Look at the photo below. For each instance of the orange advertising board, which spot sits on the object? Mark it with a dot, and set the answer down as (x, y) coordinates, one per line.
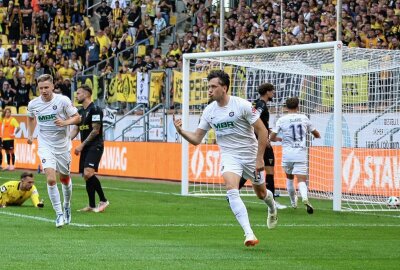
(366, 171)
(130, 159)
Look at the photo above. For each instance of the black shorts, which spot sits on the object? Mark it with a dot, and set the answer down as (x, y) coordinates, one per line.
(269, 157)
(8, 144)
(90, 157)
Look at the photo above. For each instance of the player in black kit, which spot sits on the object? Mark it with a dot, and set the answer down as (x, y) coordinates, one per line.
(91, 148)
(266, 92)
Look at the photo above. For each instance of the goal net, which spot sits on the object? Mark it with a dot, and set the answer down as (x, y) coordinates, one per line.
(351, 96)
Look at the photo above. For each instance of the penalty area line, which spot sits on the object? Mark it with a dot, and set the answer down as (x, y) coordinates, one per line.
(186, 225)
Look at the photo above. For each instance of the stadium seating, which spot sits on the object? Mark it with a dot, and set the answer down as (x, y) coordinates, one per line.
(4, 39)
(23, 110)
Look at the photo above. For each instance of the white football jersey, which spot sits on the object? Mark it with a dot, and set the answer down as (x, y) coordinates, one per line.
(294, 128)
(233, 126)
(51, 136)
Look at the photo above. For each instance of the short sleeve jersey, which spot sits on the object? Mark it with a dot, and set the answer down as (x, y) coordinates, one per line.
(261, 107)
(294, 128)
(51, 136)
(233, 126)
(92, 114)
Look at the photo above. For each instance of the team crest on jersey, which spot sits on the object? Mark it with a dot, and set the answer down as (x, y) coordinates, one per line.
(55, 107)
(231, 114)
(254, 110)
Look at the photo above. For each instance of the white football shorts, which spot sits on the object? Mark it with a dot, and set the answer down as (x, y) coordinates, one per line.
(295, 168)
(59, 162)
(245, 168)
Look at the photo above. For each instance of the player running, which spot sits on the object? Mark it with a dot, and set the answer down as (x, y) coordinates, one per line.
(294, 128)
(234, 121)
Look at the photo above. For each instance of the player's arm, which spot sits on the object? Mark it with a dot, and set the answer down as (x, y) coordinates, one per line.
(273, 137)
(72, 120)
(74, 132)
(3, 196)
(316, 134)
(194, 138)
(313, 130)
(263, 142)
(31, 128)
(93, 134)
(35, 198)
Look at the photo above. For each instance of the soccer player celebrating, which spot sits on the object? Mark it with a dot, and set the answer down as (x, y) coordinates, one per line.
(294, 127)
(17, 192)
(234, 121)
(53, 113)
(9, 126)
(91, 148)
(266, 92)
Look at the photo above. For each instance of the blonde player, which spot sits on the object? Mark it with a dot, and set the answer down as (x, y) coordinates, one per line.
(17, 192)
(53, 113)
(234, 121)
(294, 128)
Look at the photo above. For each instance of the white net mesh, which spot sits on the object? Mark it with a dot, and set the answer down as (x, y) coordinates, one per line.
(370, 121)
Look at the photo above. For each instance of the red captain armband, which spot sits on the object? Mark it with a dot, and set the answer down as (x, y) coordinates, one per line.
(65, 180)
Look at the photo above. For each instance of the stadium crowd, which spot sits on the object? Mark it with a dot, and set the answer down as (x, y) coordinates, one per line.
(55, 37)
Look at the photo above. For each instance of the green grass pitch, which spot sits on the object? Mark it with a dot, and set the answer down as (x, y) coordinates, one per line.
(148, 225)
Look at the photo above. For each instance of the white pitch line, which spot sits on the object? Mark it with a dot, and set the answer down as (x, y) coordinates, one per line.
(222, 198)
(194, 225)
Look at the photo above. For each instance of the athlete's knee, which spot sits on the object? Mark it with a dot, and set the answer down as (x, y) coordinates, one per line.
(65, 179)
(261, 195)
(87, 174)
(260, 192)
(51, 181)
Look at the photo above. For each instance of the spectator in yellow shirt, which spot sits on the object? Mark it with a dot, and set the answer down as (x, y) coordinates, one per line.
(15, 193)
(66, 72)
(103, 40)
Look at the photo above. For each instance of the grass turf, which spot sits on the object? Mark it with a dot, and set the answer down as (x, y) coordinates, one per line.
(148, 225)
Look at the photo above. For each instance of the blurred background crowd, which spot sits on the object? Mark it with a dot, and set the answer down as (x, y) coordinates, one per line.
(69, 38)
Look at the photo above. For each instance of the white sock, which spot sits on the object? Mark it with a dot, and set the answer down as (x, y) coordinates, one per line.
(303, 190)
(239, 210)
(54, 196)
(269, 200)
(67, 193)
(291, 190)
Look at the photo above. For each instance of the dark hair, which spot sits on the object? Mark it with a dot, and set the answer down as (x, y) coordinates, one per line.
(221, 75)
(26, 174)
(264, 88)
(86, 88)
(292, 103)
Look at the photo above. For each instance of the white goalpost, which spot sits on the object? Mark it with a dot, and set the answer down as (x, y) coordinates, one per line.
(350, 94)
